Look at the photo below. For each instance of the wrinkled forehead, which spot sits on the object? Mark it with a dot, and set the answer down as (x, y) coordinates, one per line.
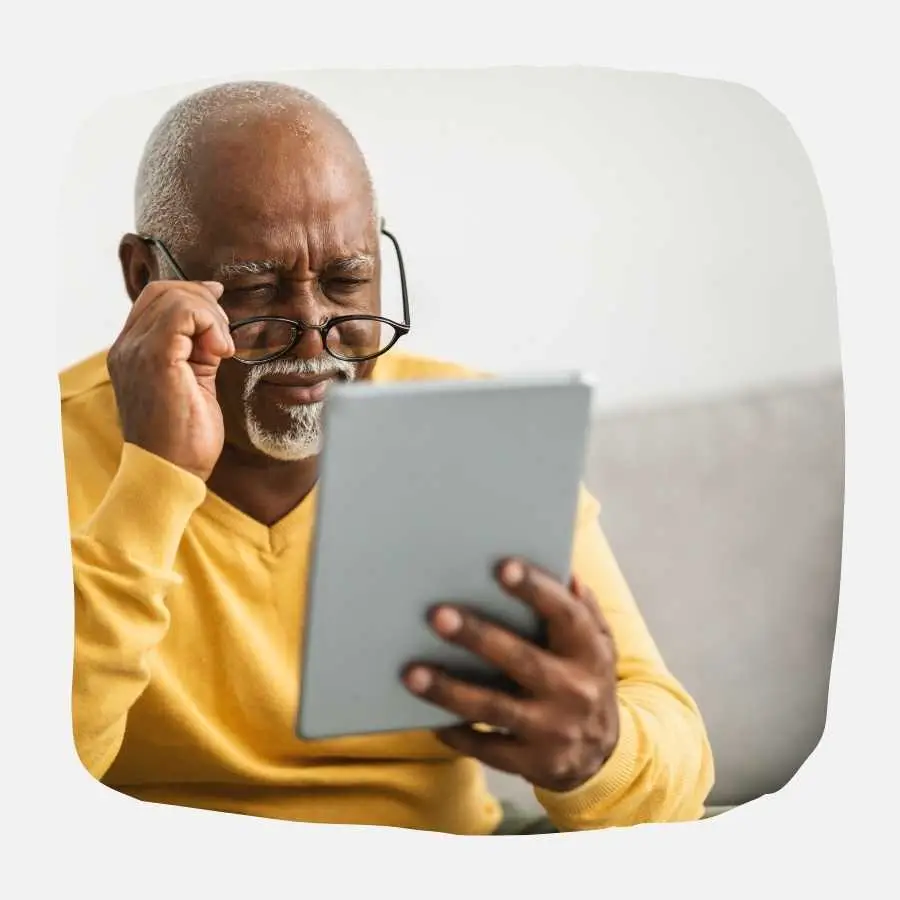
(273, 184)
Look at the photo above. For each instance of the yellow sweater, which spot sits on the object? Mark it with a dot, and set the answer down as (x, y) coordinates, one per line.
(187, 616)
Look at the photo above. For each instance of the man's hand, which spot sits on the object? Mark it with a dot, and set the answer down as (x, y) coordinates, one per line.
(566, 726)
(163, 370)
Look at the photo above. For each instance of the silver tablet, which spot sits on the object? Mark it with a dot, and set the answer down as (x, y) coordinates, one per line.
(424, 487)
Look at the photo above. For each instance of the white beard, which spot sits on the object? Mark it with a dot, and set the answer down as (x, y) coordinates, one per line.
(301, 438)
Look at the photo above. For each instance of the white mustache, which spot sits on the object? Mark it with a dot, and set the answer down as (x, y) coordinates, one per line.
(291, 365)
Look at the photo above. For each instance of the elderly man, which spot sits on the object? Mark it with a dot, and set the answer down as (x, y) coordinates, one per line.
(190, 453)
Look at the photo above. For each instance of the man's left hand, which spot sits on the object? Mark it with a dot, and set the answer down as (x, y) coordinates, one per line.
(561, 732)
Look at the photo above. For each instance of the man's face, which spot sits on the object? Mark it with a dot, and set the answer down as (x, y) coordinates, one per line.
(287, 226)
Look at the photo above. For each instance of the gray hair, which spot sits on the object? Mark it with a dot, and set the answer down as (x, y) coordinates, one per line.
(162, 201)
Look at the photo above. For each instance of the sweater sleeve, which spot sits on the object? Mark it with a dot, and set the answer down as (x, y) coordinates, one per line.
(662, 767)
(123, 560)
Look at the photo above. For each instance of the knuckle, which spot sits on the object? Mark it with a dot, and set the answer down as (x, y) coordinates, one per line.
(499, 711)
(575, 615)
(604, 651)
(154, 293)
(609, 653)
(182, 311)
(558, 764)
(567, 731)
(525, 661)
(587, 691)
(519, 656)
(564, 771)
(180, 298)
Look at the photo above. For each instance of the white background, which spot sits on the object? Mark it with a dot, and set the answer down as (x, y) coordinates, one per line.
(828, 68)
(661, 232)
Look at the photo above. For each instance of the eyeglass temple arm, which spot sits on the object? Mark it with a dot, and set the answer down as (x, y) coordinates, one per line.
(403, 291)
(169, 258)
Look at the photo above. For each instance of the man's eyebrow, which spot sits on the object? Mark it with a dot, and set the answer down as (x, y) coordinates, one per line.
(250, 267)
(359, 264)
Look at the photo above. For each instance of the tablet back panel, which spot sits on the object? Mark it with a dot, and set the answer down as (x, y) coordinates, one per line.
(423, 487)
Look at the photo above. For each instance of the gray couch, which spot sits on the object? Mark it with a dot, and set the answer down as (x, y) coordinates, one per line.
(727, 518)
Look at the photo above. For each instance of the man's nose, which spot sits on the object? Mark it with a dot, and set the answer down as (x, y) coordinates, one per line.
(304, 306)
(310, 345)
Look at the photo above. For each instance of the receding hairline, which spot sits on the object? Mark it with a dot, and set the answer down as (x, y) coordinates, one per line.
(304, 115)
(163, 201)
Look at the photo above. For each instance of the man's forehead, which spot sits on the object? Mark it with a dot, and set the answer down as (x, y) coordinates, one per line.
(282, 231)
(270, 202)
(236, 155)
(270, 189)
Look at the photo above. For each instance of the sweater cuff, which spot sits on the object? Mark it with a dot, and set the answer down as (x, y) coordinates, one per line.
(614, 777)
(146, 509)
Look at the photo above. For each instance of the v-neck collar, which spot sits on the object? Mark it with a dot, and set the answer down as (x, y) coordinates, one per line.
(300, 519)
(296, 525)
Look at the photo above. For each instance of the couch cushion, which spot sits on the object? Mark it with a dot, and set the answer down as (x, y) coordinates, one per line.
(726, 518)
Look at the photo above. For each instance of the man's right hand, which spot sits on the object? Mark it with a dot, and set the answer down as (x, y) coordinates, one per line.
(163, 370)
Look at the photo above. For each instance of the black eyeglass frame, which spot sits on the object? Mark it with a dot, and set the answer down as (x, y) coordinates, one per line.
(401, 329)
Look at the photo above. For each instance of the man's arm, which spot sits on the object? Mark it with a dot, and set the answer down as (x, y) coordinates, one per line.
(123, 558)
(162, 367)
(661, 769)
(602, 730)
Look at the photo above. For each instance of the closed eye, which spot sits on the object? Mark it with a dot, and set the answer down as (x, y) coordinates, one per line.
(253, 295)
(346, 287)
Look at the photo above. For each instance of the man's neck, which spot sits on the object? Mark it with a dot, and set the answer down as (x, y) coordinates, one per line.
(264, 489)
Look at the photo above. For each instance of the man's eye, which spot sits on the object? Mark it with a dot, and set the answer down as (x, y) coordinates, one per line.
(348, 284)
(251, 294)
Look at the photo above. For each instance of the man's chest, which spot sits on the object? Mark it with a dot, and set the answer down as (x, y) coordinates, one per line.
(225, 681)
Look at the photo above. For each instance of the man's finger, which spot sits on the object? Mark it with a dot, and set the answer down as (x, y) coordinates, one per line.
(499, 751)
(155, 290)
(582, 592)
(207, 348)
(197, 320)
(571, 628)
(472, 703)
(159, 298)
(526, 664)
(187, 314)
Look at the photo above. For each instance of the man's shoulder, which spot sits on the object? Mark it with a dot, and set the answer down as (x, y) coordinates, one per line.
(400, 366)
(88, 405)
(83, 378)
(91, 436)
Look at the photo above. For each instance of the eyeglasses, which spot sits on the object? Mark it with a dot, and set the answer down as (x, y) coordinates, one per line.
(352, 338)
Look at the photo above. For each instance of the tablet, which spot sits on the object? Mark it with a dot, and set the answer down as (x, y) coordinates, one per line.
(423, 488)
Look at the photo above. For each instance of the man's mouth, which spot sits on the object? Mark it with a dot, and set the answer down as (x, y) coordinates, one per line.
(297, 389)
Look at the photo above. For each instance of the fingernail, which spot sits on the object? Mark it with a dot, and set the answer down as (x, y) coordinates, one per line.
(513, 573)
(418, 680)
(217, 288)
(447, 621)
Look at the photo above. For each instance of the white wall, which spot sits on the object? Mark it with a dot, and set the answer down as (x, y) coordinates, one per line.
(664, 233)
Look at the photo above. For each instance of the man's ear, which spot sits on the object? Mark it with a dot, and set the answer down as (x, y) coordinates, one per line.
(139, 266)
